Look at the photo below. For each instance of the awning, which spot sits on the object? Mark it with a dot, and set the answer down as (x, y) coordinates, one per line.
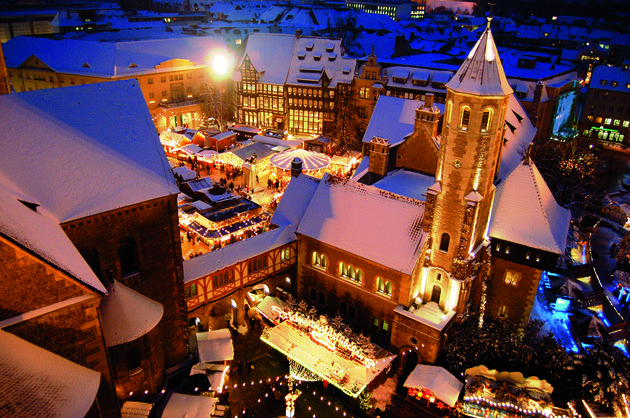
(215, 346)
(265, 307)
(436, 379)
(215, 373)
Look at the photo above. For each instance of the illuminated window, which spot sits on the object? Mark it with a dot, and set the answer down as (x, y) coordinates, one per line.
(449, 108)
(498, 247)
(384, 286)
(465, 118)
(285, 254)
(512, 277)
(444, 242)
(503, 311)
(320, 260)
(607, 121)
(486, 119)
(191, 291)
(507, 249)
(257, 264)
(538, 258)
(385, 326)
(528, 255)
(376, 322)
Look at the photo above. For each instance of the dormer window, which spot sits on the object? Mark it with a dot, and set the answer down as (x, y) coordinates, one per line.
(330, 47)
(301, 55)
(309, 46)
(332, 57)
(317, 56)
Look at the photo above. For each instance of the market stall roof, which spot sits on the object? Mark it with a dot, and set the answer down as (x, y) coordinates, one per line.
(265, 307)
(190, 149)
(127, 314)
(37, 382)
(261, 150)
(438, 380)
(214, 372)
(215, 346)
(133, 409)
(310, 160)
(188, 406)
(347, 374)
(515, 378)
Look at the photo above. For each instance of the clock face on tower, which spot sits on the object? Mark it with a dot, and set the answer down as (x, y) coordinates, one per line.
(457, 163)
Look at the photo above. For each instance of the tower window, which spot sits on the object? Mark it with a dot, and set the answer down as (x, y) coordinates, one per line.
(444, 242)
(449, 108)
(503, 311)
(486, 118)
(465, 118)
(512, 277)
(128, 257)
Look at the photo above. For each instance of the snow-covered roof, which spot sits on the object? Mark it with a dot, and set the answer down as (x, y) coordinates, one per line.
(392, 244)
(406, 183)
(438, 380)
(270, 54)
(82, 150)
(43, 235)
(393, 119)
(221, 258)
(482, 72)
(313, 57)
(38, 383)
(610, 78)
(111, 59)
(525, 212)
(518, 136)
(127, 315)
(296, 198)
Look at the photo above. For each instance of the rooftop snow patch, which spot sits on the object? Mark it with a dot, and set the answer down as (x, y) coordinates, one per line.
(41, 234)
(128, 315)
(341, 209)
(393, 118)
(36, 382)
(83, 150)
(525, 212)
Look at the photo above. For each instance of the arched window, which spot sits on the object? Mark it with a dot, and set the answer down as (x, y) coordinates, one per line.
(319, 260)
(449, 110)
(486, 120)
(437, 292)
(380, 285)
(465, 118)
(358, 276)
(351, 273)
(389, 288)
(444, 241)
(343, 269)
(128, 257)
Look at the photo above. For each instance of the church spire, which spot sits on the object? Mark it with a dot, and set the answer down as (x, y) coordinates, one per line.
(482, 72)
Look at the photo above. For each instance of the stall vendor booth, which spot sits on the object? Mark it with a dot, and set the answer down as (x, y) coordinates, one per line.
(436, 390)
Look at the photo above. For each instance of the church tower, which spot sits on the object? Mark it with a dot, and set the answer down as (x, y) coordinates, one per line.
(459, 203)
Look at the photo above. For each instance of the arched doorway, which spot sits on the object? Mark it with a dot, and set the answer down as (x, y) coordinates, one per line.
(410, 360)
(437, 292)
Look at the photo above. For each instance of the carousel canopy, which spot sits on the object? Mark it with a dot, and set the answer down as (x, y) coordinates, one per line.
(310, 160)
(438, 380)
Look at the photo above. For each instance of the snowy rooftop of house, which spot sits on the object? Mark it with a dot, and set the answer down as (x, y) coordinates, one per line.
(37, 382)
(295, 200)
(111, 59)
(482, 72)
(313, 57)
(43, 235)
(127, 314)
(270, 54)
(221, 258)
(82, 150)
(525, 212)
(393, 119)
(340, 209)
(406, 183)
(610, 78)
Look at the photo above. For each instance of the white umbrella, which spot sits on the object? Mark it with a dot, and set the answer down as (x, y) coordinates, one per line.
(310, 160)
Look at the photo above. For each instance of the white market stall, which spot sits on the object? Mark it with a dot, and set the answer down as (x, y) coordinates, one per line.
(188, 406)
(215, 346)
(266, 308)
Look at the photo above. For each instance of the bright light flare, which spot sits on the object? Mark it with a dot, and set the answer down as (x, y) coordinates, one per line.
(220, 64)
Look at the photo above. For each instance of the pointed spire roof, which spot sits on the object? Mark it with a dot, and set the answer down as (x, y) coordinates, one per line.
(482, 72)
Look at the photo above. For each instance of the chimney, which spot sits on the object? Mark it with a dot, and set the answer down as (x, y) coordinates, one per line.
(428, 100)
(298, 33)
(296, 167)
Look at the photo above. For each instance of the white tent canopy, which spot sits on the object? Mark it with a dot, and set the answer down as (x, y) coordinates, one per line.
(266, 307)
(215, 346)
(188, 406)
(436, 379)
(310, 160)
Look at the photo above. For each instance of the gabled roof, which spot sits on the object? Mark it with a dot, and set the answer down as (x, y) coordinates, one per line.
(525, 212)
(44, 237)
(295, 200)
(360, 220)
(37, 382)
(82, 150)
(393, 118)
(482, 72)
(270, 54)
